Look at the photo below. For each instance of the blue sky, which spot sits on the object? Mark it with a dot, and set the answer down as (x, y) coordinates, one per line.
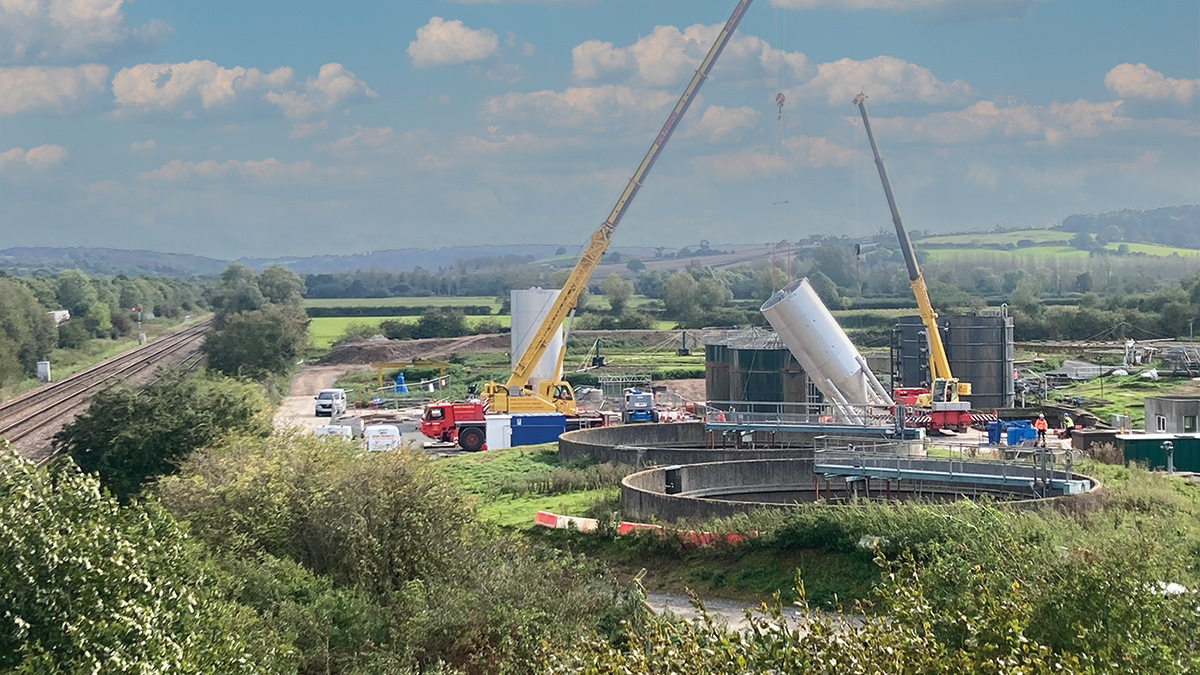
(276, 129)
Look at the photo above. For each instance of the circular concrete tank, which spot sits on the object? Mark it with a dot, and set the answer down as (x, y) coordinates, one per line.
(722, 489)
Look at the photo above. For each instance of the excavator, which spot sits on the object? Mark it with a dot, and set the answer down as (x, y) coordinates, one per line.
(517, 395)
(946, 411)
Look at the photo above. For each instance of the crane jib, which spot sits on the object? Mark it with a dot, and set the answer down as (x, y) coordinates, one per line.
(596, 246)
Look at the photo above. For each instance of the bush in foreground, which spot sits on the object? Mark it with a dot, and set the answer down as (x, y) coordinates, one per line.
(89, 586)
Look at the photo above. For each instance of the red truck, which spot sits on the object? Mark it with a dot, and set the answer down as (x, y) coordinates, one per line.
(458, 422)
(463, 422)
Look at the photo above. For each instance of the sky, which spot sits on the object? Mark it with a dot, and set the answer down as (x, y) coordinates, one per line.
(267, 128)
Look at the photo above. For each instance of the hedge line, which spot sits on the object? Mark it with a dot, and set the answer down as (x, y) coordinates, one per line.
(468, 310)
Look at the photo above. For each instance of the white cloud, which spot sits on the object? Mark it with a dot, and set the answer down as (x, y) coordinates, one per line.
(145, 147)
(884, 79)
(1053, 124)
(817, 151)
(939, 9)
(69, 30)
(25, 88)
(333, 87)
(269, 171)
(448, 43)
(593, 107)
(519, 143)
(667, 57)
(739, 165)
(39, 159)
(718, 122)
(306, 129)
(1141, 81)
(159, 87)
(369, 140)
(163, 86)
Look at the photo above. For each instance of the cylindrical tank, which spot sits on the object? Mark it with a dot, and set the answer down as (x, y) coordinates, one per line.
(819, 344)
(529, 307)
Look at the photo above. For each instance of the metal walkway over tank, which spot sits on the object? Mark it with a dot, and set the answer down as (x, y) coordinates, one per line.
(818, 418)
(1036, 478)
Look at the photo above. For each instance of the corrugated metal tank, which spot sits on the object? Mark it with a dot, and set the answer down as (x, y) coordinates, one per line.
(979, 348)
(529, 307)
(753, 366)
(821, 346)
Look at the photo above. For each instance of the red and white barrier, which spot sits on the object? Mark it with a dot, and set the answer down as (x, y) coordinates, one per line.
(557, 522)
(590, 525)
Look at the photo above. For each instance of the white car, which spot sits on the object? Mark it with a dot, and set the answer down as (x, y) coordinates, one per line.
(334, 431)
(331, 402)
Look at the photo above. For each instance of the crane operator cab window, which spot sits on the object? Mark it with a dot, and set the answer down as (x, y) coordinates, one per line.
(943, 391)
(562, 392)
(434, 414)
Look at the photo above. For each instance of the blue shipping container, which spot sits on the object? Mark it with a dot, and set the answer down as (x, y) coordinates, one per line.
(533, 428)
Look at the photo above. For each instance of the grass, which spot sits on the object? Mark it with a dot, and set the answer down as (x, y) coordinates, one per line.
(998, 238)
(428, 301)
(1042, 252)
(1118, 395)
(484, 474)
(64, 362)
(323, 331)
(1032, 253)
(1158, 250)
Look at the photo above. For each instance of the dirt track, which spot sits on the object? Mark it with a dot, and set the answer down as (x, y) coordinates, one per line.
(382, 349)
(296, 410)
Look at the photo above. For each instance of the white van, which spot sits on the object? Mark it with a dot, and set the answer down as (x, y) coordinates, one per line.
(382, 437)
(334, 431)
(331, 402)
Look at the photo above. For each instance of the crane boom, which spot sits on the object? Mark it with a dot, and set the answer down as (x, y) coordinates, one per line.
(938, 363)
(598, 243)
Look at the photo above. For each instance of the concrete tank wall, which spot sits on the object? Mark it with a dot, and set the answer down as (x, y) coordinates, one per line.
(722, 489)
(529, 307)
(664, 444)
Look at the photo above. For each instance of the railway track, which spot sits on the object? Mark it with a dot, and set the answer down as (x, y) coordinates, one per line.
(29, 417)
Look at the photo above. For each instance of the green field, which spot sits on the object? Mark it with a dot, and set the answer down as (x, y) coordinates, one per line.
(484, 476)
(997, 238)
(323, 331)
(1157, 250)
(430, 301)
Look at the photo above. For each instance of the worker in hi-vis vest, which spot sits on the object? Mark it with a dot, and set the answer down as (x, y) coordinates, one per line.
(1040, 425)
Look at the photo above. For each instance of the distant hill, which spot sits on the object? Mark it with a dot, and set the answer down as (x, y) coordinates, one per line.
(107, 261)
(1169, 225)
(400, 259)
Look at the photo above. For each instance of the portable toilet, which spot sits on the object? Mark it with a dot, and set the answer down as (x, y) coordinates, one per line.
(533, 428)
(382, 437)
(499, 431)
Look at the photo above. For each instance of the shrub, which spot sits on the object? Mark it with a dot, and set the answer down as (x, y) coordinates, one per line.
(90, 586)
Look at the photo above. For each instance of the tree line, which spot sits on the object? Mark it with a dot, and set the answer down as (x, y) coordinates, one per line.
(100, 307)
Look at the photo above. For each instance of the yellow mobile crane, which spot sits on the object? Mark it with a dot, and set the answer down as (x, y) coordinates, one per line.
(517, 395)
(946, 411)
